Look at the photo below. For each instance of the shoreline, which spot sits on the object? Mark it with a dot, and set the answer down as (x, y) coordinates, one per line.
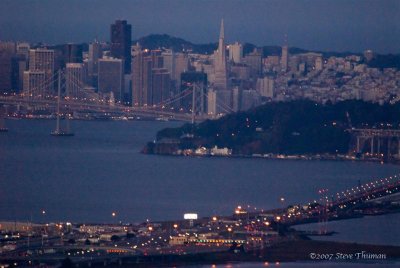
(325, 157)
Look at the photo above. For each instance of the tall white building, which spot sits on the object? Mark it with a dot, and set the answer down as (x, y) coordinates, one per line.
(284, 58)
(221, 79)
(265, 86)
(33, 83)
(95, 53)
(236, 52)
(75, 80)
(42, 60)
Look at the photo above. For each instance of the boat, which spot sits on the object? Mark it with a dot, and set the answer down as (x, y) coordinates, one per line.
(61, 133)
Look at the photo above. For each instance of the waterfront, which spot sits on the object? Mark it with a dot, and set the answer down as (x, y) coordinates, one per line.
(99, 171)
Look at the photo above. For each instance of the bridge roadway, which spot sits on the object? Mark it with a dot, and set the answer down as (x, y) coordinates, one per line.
(85, 106)
(347, 201)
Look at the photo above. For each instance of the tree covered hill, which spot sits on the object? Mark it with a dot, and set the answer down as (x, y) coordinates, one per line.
(297, 127)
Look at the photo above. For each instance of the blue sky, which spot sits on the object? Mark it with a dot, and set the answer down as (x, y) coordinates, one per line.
(329, 25)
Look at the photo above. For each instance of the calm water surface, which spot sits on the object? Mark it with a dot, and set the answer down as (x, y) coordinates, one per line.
(100, 170)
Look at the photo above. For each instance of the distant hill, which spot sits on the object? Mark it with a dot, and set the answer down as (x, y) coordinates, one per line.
(157, 41)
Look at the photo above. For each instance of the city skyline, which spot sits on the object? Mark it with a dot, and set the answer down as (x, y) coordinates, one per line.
(316, 25)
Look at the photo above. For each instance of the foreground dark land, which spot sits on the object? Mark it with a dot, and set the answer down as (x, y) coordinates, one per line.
(289, 128)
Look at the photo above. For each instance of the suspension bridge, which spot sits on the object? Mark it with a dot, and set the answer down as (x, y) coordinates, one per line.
(345, 203)
(77, 97)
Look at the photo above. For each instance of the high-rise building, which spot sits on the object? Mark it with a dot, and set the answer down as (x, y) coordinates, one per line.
(75, 80)
(137, 76)
(72, 53)
(161, 82)
(33, 83)
(95, 53)
(110, 79)
(176, 64)
(265, 86)
(42, 60)
(7, 51)
(19, 65)
(319, 63)
(254, 61)
(121, 40)
(285, 58)
(147, 89)
(236, 52)
(23, 49)
(221, 79)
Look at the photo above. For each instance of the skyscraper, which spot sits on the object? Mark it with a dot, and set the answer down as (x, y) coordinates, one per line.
(254, 61)
(72, 53)
(236, 52)
(42, 60)
(121, 39)
(150, 82)
(33, 83)
(7, 51)
(285, 56)
(95, 53)
(111, 74)
(75, 76)
(137, 76)
(221, 80)
(161, 82)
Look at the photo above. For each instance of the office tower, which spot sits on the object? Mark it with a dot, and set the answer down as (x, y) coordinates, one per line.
(181, 65)
(72, 53)
(219, 102)
(144, 91)
(161, 82)
(147, 80)
(137, 76)
(19, 65)
(75, 80)
(212, 102)
(199, 79)
(240, 71)
(23, 49)
(156, 58)
(110, 79)
(284, 58)
(236, 52)
(33, 85)
(221, 80)
(121, 40)
(7, 51)
(176, 64)
(254, 61)
(95, 53)
(236, 99)
(318, 63)
(265, 87)
(42, 60)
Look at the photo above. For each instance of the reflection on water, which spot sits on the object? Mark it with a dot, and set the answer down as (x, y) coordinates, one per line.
(99, 170)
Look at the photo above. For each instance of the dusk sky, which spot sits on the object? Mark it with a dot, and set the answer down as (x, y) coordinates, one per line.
(328, 25)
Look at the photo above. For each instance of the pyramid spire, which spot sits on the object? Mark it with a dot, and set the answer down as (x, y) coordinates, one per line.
(222, 32)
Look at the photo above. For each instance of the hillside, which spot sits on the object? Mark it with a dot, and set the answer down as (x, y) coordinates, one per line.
(298, 127)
